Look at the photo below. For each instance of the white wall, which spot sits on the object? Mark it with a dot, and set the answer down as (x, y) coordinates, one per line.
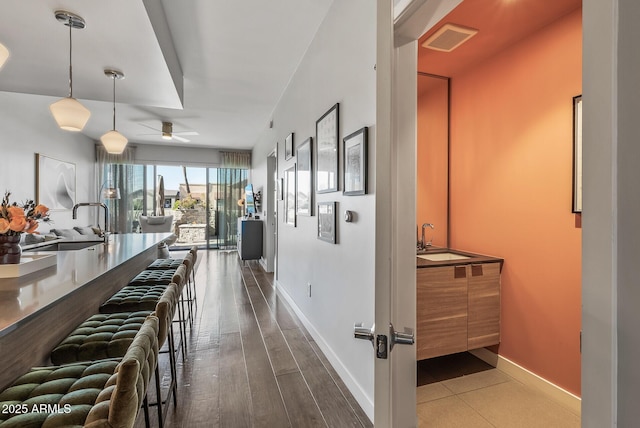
(338, 67)
(28, 128)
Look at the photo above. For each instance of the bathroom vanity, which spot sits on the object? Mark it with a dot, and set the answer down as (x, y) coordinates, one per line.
(458, 302)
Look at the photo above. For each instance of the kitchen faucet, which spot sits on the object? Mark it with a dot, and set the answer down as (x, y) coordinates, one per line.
(106, 215)
(422, 243)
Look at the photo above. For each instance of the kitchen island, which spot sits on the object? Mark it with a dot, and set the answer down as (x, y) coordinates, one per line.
(38, 310)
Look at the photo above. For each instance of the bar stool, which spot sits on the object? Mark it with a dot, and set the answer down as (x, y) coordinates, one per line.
(172, 265)
(104, 336)
(143, 292)
(73, 395)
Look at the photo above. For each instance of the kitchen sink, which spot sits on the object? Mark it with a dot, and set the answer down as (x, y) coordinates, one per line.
(65, 246)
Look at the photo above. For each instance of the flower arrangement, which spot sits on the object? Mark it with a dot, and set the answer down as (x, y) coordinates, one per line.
(16, 219)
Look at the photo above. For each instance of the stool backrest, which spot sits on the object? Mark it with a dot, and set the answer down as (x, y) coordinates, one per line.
(165, 310)
(156, 224)
(118, 403)
(180, 276)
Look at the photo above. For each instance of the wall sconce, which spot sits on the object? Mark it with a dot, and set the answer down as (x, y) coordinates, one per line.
(4, 54)
(113, 141)
(68, 112)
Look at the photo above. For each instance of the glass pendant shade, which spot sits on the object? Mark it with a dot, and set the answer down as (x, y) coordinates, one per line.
(114, 142)
(4, 54)
(110, 193)
(69, 114)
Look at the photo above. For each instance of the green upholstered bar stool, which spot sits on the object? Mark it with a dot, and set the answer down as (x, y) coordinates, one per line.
(67, 396)
(144, 291)
(110, 336)
(173, 265)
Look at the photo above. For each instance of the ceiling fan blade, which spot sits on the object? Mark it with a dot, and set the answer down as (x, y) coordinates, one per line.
(182, 140)
(185, 133)
(150, 127)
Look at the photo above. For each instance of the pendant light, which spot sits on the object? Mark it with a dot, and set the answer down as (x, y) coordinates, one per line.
(113, 141)
(4, 54)
(68, 112)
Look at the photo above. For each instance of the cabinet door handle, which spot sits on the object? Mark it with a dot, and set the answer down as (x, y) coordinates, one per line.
(476, 270)
(459, 272)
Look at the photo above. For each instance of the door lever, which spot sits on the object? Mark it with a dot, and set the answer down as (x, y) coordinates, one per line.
(405, 338)
(361, 332)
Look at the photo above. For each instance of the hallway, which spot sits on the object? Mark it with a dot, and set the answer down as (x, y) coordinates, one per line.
(250, 362)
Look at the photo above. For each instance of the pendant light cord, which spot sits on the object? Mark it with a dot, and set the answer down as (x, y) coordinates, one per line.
(113, 76)
(70, 66)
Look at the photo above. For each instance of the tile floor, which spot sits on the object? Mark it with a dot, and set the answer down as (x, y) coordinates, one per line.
(464, 392)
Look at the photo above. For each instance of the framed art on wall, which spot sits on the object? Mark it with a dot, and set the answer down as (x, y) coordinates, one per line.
(327, 129)
(55, 183)
(355, 163)
(304, 180)
(327, 221)
(290, 196)
(288, 147)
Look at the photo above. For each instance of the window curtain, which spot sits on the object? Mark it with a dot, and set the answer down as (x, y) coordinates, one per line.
(236, 160)
(230, 188)
(120, 172)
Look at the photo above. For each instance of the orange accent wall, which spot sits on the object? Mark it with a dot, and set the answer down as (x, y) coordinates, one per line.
(510, 190)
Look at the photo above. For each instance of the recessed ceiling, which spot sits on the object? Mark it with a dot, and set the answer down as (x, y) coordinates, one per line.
(213, 67)
(501, 23)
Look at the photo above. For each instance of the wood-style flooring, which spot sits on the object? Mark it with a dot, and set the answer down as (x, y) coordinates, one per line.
(249, 360)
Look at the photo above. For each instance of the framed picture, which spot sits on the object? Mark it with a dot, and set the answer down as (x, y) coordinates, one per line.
(327, 151)
(281, 189)
(355, 163)
(55, 183)
(577, 154)
(327, 221)
(304, 179)
(290, 196)
(288, 147)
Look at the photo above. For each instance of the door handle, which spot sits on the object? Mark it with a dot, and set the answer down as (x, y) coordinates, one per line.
(364, 333)
(380, 342)
(404, 338)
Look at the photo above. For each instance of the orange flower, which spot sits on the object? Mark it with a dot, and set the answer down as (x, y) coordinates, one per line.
(32, 225)
(4, 225)
(18, 224)
(15, 212)
(40, 210)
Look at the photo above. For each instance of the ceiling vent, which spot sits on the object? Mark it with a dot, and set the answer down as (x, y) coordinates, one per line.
(449, 37)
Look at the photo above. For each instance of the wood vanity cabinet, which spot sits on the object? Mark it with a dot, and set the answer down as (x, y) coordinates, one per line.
(458, 308)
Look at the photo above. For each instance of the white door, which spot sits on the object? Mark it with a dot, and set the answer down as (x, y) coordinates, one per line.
(395, 175)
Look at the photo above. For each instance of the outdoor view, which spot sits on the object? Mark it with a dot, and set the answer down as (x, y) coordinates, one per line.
(200, 203)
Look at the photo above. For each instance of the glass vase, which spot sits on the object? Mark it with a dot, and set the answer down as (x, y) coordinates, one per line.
(10, 250)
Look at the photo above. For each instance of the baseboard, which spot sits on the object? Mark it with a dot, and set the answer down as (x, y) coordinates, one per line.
(561, 396)
(354, 387)
(263, 263)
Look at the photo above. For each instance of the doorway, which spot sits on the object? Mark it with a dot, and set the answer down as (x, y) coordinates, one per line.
(477, 223)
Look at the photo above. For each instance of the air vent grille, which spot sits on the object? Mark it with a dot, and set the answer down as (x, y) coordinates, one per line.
(449, 37)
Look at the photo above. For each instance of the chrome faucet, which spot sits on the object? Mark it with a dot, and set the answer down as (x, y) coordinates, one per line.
(427, 244)
(95, 204)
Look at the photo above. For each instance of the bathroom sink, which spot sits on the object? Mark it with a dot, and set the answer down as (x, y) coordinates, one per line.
(439, 257)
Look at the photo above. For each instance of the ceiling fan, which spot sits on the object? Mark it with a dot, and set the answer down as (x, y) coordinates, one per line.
(167, 133)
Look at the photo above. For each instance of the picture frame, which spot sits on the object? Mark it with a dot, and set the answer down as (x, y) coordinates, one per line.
(577, 155)
(288, 147)
(55, 183)
(290, 196)
(327, 221)
(304, 178)
(327, 160)
(355, 163)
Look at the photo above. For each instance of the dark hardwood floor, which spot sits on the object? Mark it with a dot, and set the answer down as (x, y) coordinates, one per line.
(249, 361)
